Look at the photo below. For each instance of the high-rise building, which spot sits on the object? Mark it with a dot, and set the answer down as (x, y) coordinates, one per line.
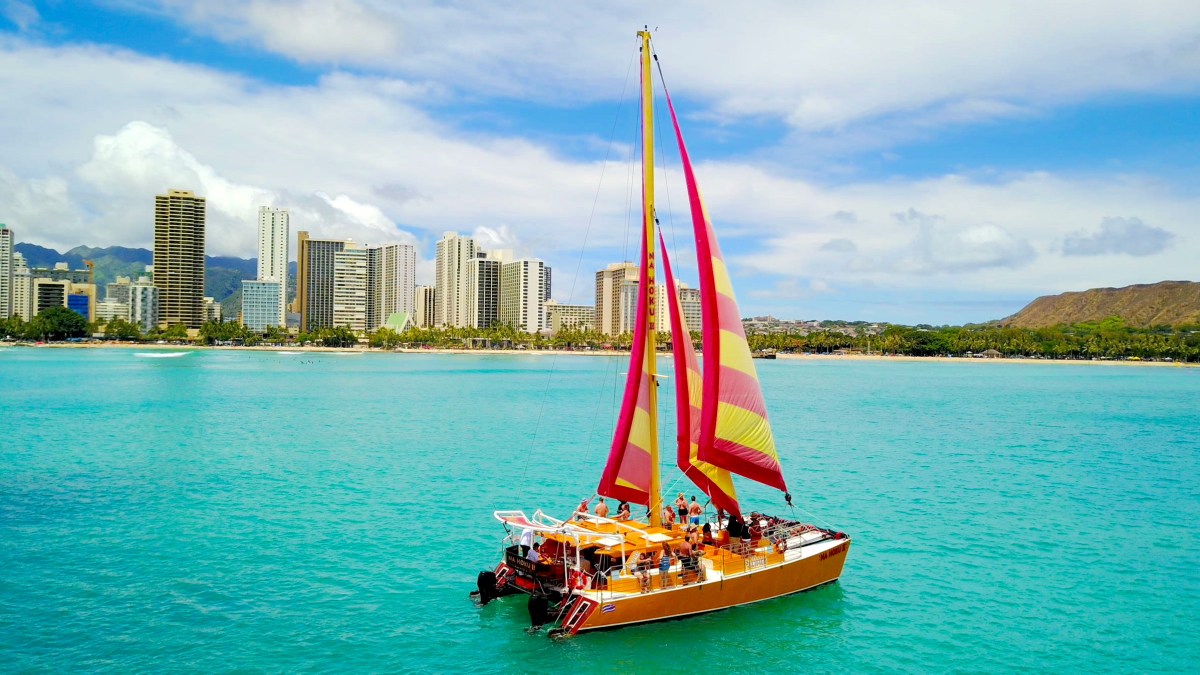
(273, 254)
(425, 303)
(628, 309)
(350, 288)
(260, 304)
(315, 281)
(118, 290)
(482, 296)
(108, 309)
(22, 288)
(608, 295)
(689, 303)
(391, 280)
(62, 272)
(453, 254)
(212, 310)
(143, 304)
(6, 271)
(179, 218)
(524, 290)
(49, 293)
(569, 317)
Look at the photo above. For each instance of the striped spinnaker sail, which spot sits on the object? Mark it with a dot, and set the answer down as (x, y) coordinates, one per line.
(689, 393)
(734, 431)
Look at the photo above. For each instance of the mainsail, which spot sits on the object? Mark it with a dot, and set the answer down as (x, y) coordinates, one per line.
(631, 473)
(734, 431)
(689, 388)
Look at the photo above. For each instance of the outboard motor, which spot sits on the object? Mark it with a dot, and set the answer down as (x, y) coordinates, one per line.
(486, 582)
(539, 611)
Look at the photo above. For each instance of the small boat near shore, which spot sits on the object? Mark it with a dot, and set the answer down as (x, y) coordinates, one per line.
(589, 571)
(160, 355)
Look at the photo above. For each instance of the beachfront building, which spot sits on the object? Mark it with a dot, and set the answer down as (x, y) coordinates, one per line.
(179, 217)
(22, 288)
(49, 293)
(261, 301)
(350, 288)
(6, 271)
(608, 296)
(273, 256)
(689, 303)
(450, 266)
(315, 280)
(482, 295)
(107, 310)
(628, 305)
(62, 272)
(212, 310)
(118, 291)
(391, 280)
(424, 306)
(569, 317)
(524, 290)
(143, 304)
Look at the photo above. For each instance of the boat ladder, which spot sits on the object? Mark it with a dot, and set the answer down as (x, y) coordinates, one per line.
(577, 613)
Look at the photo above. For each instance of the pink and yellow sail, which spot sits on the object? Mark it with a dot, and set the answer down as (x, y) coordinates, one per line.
(632, 471)
(689, 398)
(734, 431)
(723, 426)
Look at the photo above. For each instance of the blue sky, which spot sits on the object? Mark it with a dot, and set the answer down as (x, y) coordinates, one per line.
(927, 164)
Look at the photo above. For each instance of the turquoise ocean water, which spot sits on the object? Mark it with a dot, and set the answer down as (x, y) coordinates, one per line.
(271, 512)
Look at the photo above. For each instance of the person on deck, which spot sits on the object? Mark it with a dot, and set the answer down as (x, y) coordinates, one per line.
(664, 565)
(706, 537)
(736, 529)
(639, 565)
(526, 540)
(624, 512)
(686, 564)
(602, 509)
(681, 506)
(695, 511)
(583, 509)
(668, 517)
(535, 554)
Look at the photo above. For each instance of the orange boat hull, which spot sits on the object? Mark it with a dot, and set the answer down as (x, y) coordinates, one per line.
(771, 581)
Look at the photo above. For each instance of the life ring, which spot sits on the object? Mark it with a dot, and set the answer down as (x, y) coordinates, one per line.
(578, 580)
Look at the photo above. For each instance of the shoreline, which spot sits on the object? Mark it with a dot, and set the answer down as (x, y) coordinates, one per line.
(557, 352)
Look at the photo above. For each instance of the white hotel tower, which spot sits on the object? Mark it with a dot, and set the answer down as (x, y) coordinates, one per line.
(273, 254)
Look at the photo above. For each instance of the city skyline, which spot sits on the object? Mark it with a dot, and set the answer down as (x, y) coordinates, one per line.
(939, 164)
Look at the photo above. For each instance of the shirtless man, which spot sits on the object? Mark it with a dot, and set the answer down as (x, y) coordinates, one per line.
(602, 508)
(668, 517)
(695, 511)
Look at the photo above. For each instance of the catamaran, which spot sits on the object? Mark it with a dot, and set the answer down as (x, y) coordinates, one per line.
(589, 571)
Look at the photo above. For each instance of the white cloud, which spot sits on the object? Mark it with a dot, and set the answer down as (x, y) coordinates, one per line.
(942, 247)
(334, 32)
(96, 132)
(817, 66)
(1121, 236)
(22, 14)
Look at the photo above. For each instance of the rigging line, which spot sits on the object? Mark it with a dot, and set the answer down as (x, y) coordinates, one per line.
(578, 265)
(611, 369)
(612, 134)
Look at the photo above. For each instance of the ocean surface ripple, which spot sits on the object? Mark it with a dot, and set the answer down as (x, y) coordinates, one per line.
(260, 511)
